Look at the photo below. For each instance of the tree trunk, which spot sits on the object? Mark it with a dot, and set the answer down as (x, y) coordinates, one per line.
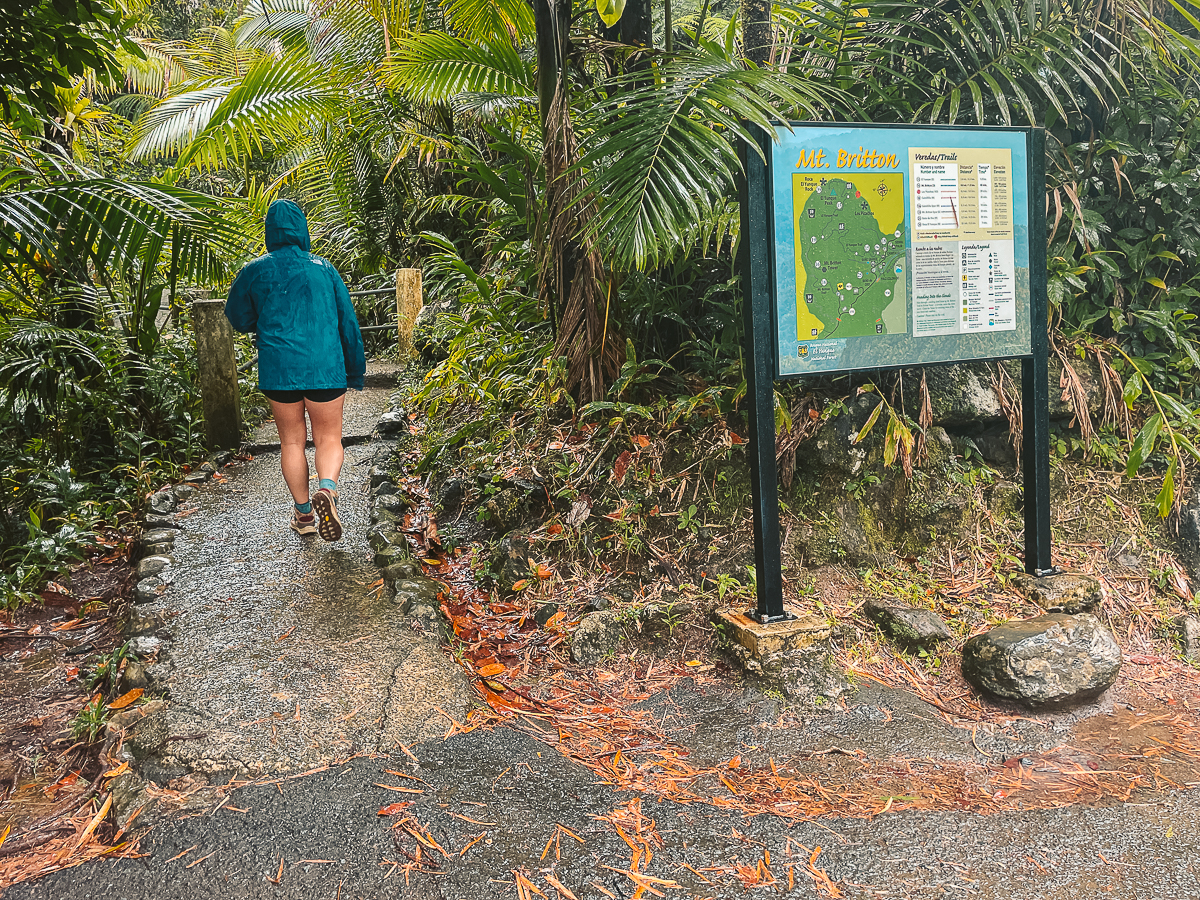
(756, 30)
(635, 27)
(552, 19)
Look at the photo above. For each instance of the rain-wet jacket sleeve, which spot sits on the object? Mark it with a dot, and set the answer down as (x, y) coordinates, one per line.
(348, 330)
(239, 308)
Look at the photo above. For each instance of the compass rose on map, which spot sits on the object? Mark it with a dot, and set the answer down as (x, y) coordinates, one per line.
(883, 190)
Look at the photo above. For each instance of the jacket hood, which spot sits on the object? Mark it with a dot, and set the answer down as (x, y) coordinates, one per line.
(286, 226)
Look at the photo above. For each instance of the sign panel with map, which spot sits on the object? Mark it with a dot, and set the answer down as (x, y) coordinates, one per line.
(898, 246)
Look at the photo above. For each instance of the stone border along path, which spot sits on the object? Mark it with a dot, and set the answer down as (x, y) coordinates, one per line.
(276, 653)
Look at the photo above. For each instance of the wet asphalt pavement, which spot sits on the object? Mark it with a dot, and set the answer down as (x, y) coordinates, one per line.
(515, 790)
(282, 656)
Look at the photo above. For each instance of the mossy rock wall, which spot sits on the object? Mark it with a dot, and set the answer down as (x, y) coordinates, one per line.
(853, 510)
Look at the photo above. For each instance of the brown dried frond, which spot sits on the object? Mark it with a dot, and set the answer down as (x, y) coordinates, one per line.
(1074, 395)
(925, 421)
(574, 286)
(1115, 412)
(806, 421)
(1011, 409)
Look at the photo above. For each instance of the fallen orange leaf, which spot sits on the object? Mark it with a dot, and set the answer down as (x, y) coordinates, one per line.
(492, 669)
(126, 699)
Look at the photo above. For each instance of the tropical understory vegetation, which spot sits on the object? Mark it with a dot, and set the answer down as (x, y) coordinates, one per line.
(565, 174)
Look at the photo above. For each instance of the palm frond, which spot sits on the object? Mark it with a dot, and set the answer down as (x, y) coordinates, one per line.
(436, 67)
(480, 21)
(660, 154)
(276, 102)
(54, 215)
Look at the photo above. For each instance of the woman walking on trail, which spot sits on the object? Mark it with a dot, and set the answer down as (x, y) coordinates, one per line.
(310, 351)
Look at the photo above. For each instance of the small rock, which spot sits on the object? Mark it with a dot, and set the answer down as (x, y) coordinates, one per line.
(163, 549)
(134, 676)
(384, 489)
(451, 493)
(1129, 560)
(383, 535)
(395, 553)
(393, 503)
(597, 637)
(146, 645)
(129, 797)
(399, 571)
(207, 467)
(510, 562)
(196, 478)
(598, 602)
(152, 521)
(392, 422)
(183, 491)
(159, 536)
(1068, 594)
(162, 502)
(153, 565)
(144, 727)
(905, 624)
(382, 516)
(150, 589)
(222, 458)
(545, 612)
(1189, 634)
(379, 475)
(416, 592)
(1052, 660)
(141, 623)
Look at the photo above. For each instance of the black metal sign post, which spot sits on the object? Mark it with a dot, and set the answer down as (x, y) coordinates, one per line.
(1035, 386)
(760, 348)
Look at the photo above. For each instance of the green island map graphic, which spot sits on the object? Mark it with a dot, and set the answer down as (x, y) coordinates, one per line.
(850, 255)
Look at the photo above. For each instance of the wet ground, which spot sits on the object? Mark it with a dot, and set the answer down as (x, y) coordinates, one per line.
(282, 656)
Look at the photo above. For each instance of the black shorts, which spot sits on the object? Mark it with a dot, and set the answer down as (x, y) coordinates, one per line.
(321, 395)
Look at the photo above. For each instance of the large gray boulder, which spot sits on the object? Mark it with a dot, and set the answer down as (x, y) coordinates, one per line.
(1052, 660)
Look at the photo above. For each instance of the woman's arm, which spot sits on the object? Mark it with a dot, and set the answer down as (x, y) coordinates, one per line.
(352, 342)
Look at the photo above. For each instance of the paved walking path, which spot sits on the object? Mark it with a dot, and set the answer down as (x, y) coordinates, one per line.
(281, 656)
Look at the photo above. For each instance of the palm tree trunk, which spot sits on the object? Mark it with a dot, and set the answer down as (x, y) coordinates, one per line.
(552, 19)
(756, 30)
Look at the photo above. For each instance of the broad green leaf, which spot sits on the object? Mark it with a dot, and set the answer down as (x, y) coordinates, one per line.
(1132, 390)
(1143, 444)
(869, 424)
(1166, 496)
(1157, 282)
(610, 11)
(891, 442)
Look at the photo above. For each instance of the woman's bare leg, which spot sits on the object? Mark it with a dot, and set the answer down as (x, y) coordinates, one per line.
(293, 433)
(326, 419)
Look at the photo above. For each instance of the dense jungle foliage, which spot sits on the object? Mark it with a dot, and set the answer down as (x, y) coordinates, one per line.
(564, 172)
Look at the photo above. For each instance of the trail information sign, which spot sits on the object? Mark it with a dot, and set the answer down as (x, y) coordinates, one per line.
(879, 246)
(899, 246)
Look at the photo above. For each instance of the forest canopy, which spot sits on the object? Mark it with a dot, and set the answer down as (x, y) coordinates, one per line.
(564, 172)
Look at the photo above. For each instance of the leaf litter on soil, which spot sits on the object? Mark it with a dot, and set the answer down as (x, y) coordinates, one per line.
(521, 671)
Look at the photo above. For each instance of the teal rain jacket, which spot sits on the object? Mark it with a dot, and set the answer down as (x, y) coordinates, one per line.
(298, 305)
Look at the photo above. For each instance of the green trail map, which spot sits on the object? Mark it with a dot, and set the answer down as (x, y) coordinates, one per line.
(850, 255)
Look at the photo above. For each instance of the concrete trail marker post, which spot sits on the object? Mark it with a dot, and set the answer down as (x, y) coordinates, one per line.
(217, 363)
(408, 304)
